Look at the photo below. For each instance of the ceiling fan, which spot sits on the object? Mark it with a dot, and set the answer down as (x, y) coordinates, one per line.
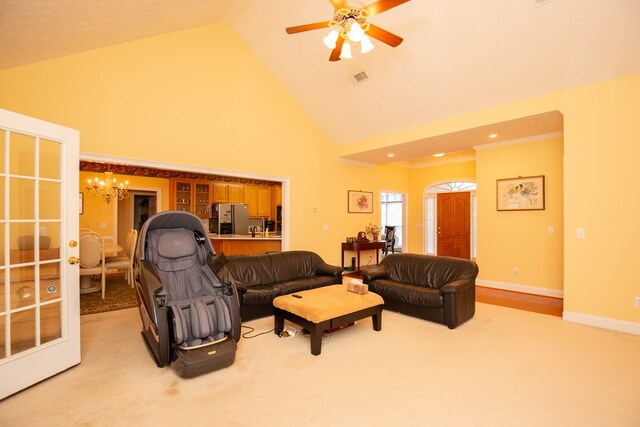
(351, 24)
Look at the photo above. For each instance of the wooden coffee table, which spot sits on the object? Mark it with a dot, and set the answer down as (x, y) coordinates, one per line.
(326, 308)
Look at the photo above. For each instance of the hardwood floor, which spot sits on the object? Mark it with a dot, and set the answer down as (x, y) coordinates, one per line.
(521, 301)
(518, 300)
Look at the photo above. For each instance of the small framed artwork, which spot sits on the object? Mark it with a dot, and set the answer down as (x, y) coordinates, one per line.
(520, 194)
(81, 203)
(360, 201)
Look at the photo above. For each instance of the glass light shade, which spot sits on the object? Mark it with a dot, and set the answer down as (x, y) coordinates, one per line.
(345, 53)
(330, 39)
(366, 44)
(355, 32)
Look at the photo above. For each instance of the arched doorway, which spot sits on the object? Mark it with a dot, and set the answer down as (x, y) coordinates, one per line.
(443, 202)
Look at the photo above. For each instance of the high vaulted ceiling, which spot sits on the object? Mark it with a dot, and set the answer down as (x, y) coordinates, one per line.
(457, 56)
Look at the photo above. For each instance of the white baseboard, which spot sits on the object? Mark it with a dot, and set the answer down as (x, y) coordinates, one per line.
(602, 322)
(555, 293)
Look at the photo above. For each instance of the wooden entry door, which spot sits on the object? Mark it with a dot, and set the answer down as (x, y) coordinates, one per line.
(454, 224)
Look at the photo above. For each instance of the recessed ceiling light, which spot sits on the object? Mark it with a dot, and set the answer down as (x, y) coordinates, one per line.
(438, 155)
(390, 155)
(493, 135)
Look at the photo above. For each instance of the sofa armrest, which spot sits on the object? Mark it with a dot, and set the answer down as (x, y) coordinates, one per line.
(330, 270)
(373, 272)
(456, 286)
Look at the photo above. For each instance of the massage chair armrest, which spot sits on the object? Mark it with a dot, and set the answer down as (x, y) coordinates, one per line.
(374, 272)
(330, 270)
(457, 286)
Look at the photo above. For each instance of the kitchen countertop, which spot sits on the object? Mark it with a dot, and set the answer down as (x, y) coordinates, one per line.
(259, 236)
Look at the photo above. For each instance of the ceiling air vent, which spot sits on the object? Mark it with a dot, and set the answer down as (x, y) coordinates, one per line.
(360, 78)
(538, 3)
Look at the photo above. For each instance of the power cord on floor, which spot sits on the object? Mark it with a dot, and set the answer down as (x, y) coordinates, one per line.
(245, 335)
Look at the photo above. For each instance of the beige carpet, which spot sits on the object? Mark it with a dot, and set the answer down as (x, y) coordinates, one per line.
(505, 367)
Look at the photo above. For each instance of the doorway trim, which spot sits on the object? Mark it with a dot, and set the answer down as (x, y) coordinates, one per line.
(285, 181)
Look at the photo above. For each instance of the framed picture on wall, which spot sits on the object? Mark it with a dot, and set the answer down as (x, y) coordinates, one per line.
(360, 201)
(520, 194)
(81, 203)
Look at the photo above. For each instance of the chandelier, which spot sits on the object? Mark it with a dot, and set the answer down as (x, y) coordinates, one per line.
(350, 24)
(108, 189)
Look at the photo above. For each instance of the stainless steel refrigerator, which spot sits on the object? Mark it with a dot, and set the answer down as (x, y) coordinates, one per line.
(230, 218)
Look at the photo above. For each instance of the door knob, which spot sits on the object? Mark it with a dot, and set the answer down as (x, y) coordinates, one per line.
(73, 260)
(73, 243)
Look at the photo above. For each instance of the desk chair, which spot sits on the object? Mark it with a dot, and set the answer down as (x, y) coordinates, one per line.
(390, 238)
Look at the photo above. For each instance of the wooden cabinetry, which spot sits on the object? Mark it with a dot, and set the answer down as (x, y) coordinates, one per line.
(236, 193)
(276, 200)
(220, 192)
(228, 193)
(190, 196)
(258, 197)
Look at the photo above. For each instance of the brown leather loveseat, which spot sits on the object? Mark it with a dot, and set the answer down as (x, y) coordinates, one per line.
(261, 278)
(440, 289)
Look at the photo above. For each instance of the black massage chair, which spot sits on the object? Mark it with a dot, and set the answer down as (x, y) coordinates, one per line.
(190, 319)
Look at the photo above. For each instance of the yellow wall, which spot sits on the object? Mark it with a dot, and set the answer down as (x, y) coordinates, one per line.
(521, 239)
(602, 148)
(200, 98)
(421, 180)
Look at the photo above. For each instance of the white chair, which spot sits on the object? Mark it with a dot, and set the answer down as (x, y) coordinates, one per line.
(92, 257)
(125, 262)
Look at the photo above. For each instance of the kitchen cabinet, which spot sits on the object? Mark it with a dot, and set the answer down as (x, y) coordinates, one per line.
(236, 193)
(228, 193)
(191, 196)
(220, 192)
(276, 200)
(258, 197)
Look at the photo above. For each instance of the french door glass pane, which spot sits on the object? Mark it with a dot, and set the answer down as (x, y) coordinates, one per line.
(23, 330)
(49, 200)
(23, 292)
(49, 159)
(21, 159)
(50, 325)
(50, 284)
(23, 200)
(21, 240)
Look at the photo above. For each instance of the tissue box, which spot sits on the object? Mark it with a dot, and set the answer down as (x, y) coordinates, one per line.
(356, 286)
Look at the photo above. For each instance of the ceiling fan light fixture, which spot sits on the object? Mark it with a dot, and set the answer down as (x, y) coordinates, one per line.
(366, 45)
(330, 39)
(345, 53)
(355, 32)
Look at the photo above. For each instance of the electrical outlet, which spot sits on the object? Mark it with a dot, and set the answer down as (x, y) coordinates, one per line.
(516, 271)
(637, 302)
(103, 225)
(581, 233)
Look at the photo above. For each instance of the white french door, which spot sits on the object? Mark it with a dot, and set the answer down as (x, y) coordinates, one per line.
(39, 298)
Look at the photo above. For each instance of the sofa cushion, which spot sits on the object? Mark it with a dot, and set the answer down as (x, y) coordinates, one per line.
(428, 271)
(407, 293)
(293, 265)
(306, 284)
(250, 270)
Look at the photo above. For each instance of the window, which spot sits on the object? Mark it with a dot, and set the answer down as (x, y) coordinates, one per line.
(430, 210)
(391, 212)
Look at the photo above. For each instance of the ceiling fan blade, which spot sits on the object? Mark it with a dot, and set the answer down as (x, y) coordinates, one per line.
(382, 5)
(307, 27)
(384, 36)
(335, 53)
(339, 4)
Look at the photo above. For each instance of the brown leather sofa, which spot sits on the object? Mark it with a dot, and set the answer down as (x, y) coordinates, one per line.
(261, 278)
(439, 289)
